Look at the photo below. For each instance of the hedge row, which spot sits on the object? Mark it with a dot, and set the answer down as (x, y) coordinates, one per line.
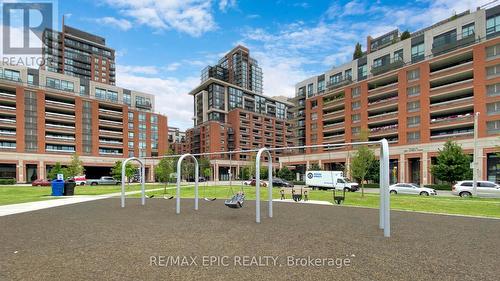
(7, 181)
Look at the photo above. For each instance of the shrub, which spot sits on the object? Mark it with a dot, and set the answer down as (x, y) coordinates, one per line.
(439, 186)
(298, 182)
(7, 181)
(372, 185)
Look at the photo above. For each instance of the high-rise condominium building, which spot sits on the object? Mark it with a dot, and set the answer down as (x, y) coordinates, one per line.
(80, 54)
(177, 141)
(44, 119)
(232, 114)
(416, 92)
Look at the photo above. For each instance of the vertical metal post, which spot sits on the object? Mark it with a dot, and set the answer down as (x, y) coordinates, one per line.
(178, 192)
(381, 189)
(270, 185)
(123, 183)
(257, 187)
(385, 190)
(474, 157)
(143, 181)
(196, 175)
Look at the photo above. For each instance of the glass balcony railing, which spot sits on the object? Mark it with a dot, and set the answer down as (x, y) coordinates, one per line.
(450, 43)
(337, 83)
(394, 63)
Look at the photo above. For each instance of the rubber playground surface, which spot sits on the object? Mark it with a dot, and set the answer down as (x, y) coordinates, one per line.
(98, 240)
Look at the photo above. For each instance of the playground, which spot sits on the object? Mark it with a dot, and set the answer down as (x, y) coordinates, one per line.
(100, 240)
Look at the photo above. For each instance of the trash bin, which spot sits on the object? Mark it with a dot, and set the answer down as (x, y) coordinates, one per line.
(69, 188)
(57, 187)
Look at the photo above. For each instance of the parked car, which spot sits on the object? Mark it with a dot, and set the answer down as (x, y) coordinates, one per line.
(411, 188)
(41, 182)
(103, 181)
(484, 189)
(79, 180)
(248, 182)
(262, 183)
(281, 182)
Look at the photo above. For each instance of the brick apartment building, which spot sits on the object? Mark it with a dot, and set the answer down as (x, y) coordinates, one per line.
(48, 115)
(416, 92)
(232, 114)
(177, 141)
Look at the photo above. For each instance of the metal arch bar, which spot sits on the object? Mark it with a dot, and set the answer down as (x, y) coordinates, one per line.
(257, 183)
(143, 189)
(179, 172)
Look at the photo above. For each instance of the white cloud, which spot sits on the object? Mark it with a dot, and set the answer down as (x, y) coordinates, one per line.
(193, 17)
(224, 5)
(144, 70)
(171, 94)
(173, 66)
(122, 24)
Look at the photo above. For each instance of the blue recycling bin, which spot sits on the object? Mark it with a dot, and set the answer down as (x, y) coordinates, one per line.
(57, 187)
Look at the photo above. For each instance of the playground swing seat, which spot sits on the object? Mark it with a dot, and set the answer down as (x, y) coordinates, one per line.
(236, 201)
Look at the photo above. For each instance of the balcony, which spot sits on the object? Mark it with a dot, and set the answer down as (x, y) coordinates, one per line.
(452, 87)
(449, 121)
(143, 105)
(453, 104)
(453, 134)
(333, 115)
(333, 127)
(340, 82)
(108, 111)
(8, 109)
(7, 95)
(58, 104)
(449, 43)
(393, 64)
(333, 138)
(379, 104)
(58, 116)
(384, 130)
(10, 122)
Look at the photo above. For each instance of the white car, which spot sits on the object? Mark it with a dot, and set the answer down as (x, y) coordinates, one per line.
(410, 188)
(248, 182)
(484, 189)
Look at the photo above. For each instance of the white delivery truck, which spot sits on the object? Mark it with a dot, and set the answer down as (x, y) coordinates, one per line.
(329, 180)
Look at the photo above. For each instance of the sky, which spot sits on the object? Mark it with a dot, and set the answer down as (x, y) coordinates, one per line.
(162, 45)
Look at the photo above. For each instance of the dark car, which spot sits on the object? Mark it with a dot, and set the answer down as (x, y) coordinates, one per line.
(41, 182)
(281, 182)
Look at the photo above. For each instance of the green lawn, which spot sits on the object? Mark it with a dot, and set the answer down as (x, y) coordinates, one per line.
(22, 194)
(444, 205)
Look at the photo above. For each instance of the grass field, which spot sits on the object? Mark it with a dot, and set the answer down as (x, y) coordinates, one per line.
(444, 205)
(22, 194)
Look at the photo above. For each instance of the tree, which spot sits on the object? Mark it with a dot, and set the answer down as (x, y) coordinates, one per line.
(374, 171)
(315, 167)
(75, 168)
(357, 52)
(405, 35)
(205, 169)
(57, 169)
(245, 173)
(286, 174)
(361, 163)
(452, 164)
(116, 171)
(164, 170)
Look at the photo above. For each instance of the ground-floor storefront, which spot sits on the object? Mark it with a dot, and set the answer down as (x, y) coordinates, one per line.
(26, 167)
(407, 163)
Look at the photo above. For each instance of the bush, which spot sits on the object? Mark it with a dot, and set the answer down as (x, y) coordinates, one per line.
(299, 182)
(439, 186)
(371, 185)
(7, 181)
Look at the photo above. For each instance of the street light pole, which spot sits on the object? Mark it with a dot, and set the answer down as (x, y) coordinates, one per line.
(474, 160)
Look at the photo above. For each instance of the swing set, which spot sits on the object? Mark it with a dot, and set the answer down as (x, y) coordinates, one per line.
(237, 199)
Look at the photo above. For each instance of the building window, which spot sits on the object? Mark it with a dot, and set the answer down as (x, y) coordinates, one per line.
(31, 79)
(127, 99)
(417, 52)
(492, 51)
(493, 127)
(413, 74)
(356, 105)
(356, 117)
(348, 74)
(355, 130)
(100, 94)
(142, 117)
(321, 85)
(492, 25)
(413, 136)
(413, 106)
(398, 55)
(216, 96)
(493, 108)
(154, 119)
(10, 74)
(362, 71)
(314, 116)
(493, 90)
(493, 71)
(356, 92)
(130, 116)
(413, 121)
(413, 91)
(468, 30)
(310, 90)
(235, 98)
(314, 104)
(60, 84)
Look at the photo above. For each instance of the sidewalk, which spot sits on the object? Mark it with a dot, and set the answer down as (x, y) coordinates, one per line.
(38, 205)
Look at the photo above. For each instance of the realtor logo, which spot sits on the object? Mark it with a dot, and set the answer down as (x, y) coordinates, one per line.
(23, 24)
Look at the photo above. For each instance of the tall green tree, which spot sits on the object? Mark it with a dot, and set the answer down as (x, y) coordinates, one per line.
(357, 52)
(75, 167)
(165, 169)
(286, 174)
(361, 163)
(116, 171)
(405, 35)
(452, 164)
(205, 169)
(57, 169)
